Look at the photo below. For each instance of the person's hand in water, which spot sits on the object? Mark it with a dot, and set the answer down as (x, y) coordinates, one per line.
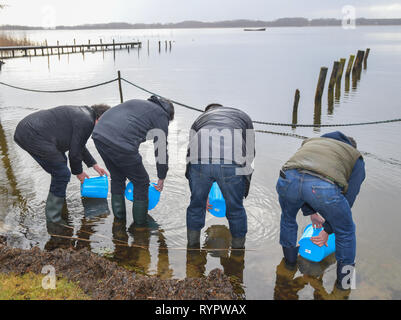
(82, 176)
(160, 185)
(321, 239)
(208, 205)
(100, 170)
(317, 221)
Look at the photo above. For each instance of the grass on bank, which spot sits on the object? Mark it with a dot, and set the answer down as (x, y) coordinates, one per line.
(9, 41)
(29, 287)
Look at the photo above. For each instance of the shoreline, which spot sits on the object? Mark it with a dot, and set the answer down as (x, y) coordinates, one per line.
(101, 279)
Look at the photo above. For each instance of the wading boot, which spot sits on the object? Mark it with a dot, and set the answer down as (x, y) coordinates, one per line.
(140, 213)
(118, 206)
(238, 243)
(290, 257)
(193, 237)
(54, 208)
(345, 276)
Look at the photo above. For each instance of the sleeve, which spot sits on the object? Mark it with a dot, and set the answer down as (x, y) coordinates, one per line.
(162, 160)
(307, 210)
(78, 151)
(327, 227)
(358, 175)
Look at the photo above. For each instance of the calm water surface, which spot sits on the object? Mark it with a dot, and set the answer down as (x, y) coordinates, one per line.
(257, 72)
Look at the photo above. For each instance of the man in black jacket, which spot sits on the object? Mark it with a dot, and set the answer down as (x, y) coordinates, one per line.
(47, 135)
(221, 149)
(117, 138)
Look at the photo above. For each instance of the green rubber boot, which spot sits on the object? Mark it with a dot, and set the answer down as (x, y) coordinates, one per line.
(238, 243)
(118, 206)
(140, 213)
(54, 208)
(193, 238)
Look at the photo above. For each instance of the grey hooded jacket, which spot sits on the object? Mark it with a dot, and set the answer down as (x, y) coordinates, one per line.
(126, 126)
(223, 135)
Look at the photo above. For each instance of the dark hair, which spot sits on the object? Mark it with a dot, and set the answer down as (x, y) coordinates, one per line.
(213, 105)
(99, 109)
(353, 142)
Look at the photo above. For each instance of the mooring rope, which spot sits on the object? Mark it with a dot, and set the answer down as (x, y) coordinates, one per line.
(293, 125)
(59, 91)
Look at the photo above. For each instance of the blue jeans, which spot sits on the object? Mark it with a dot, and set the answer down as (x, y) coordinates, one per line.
(326, 199)
(60, 175)
(201, 177)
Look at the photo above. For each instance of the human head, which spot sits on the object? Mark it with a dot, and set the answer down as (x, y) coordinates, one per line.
(213, 105)
(172, 111)
(353, 142)
(99, 109)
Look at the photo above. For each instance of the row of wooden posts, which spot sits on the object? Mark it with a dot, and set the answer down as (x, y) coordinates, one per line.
(354, 67)
(46, 50)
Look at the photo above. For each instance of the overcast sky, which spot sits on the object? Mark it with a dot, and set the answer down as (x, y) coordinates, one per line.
(72, 12)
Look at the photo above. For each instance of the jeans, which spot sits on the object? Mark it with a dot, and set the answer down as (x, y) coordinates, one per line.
(60, 175)
(201, 177)
(123, 165)
(326, 199)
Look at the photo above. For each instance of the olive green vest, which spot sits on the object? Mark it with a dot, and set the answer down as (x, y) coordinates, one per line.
(327, 157)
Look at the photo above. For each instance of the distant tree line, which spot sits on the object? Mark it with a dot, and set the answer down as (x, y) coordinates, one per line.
(283, 22)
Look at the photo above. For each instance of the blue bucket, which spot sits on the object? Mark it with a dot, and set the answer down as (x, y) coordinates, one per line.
(216, 200)
(97, 187)
(154, 195)
(311, 251)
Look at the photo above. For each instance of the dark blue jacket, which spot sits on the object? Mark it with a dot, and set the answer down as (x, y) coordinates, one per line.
(354, 184)
(48, 134)
(126, 126)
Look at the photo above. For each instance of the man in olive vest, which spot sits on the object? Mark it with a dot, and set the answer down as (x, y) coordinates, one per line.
(324, 176)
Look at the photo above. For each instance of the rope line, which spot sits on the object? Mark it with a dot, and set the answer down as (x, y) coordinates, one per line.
(200, 110)
(59, 91)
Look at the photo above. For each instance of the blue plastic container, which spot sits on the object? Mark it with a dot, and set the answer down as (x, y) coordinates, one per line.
(97, 187)
(154, 195)
(311, 251)
(216, 200)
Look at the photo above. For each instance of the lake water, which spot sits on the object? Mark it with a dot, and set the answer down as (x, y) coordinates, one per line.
(257, 72)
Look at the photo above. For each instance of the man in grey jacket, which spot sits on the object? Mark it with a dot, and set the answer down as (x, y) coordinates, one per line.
(117, 138)
(222, 150)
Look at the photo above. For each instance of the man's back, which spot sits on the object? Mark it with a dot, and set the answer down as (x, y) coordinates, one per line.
(127, 125)
(55, 127)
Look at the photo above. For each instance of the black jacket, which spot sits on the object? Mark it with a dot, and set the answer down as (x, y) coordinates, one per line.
(48, 134)
(220, 119)
(127, 125)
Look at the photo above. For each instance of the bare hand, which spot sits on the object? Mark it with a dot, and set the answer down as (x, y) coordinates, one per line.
(160, 185)
(321, 239)
(100, 170)
(317, 221)
(82, 176)
(208, 205)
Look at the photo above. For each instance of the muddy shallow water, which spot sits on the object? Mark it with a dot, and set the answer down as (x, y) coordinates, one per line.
(258, 73)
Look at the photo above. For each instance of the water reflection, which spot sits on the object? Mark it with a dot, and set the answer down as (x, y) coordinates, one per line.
(288, 285)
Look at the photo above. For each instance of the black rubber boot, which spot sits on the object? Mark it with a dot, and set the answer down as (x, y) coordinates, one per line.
(118, 206)
(344, 271)
(193, 238)
(238, 243)
(54, 208)
(140, 213)
(290, 256)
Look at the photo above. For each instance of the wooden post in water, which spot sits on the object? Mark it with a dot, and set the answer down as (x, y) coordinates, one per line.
(120, 87)
(159, 46)
(358, 60)
(320, 84)
(114, 45)
(349, 67)
(339, 78)
(365, 61)
(295, 109)
(333, 77)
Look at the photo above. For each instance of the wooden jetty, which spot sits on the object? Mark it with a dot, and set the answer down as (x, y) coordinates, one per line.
(45, 50)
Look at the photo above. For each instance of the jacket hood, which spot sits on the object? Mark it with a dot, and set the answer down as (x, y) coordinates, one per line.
(338, 135)
(166, 105)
